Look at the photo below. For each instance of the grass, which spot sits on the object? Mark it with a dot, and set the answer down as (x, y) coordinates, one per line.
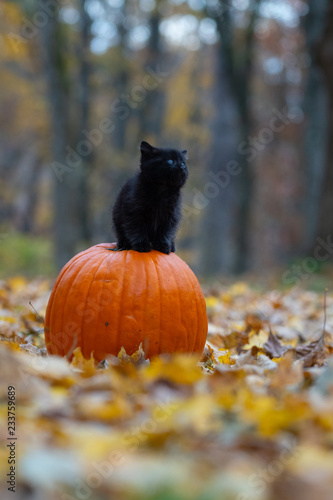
(26, 255)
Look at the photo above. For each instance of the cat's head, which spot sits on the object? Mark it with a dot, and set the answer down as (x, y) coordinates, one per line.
(163, 166)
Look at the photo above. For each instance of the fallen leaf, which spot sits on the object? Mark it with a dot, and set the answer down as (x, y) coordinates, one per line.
(313, 353)
(86, 366)
(180, 368)
(253, 322)
(274, 348)
(137, 358)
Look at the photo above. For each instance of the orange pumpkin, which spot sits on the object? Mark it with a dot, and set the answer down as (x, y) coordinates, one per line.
(103, 300)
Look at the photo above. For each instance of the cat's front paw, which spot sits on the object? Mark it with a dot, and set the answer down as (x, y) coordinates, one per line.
(142, 247)
(163, 247)
(173, 248)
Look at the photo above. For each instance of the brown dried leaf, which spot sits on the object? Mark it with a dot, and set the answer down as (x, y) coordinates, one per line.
(313, 353)
(253, 322)
(273, 347)
(236, 339)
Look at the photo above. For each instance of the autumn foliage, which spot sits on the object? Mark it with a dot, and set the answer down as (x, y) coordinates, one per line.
(251, 419)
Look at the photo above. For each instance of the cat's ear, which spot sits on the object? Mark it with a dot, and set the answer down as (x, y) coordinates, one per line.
(146, 148)
(184, 153)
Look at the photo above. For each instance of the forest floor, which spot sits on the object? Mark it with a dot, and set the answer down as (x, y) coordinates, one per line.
(251, 419)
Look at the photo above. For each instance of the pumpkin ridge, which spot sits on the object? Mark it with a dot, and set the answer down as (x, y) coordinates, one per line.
(188, 331)
(172, 272)
(78, 273)
(88, 262)
(110, 270)
(121, 298)
(66, 299)
(160, 306)
(202, 311)
(65, 268)
(146, 261)
(152, 266)
(197, 325)
(91, 283)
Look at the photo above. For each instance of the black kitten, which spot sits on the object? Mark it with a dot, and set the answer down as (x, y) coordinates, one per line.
(148, 208)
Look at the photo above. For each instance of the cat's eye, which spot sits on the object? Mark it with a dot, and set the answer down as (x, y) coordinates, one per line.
(170, 162)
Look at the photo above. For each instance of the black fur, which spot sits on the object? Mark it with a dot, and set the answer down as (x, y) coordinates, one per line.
(148, 208)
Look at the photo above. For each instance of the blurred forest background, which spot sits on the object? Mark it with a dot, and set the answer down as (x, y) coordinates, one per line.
(245, 85)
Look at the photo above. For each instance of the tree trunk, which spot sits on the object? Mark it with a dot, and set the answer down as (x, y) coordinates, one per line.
(325, 60)
(316, 110)
(218, 248)
(152, 111)
(70, 192)
(82, 172)
(226, 221)
(241, 81)
(121, 85)
(26, 186)
(58, 93)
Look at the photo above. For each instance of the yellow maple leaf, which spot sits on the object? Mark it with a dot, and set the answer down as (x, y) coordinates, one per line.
(137, 358)
(87, 366)
(256, 339)
(211, 301)
(17, 283)
(225, 359)
(11, 345)
(8, 319)
(180, 368)
(239, 288)
(271, 416)
(226, 297)
(108, 410)
(198, 412)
